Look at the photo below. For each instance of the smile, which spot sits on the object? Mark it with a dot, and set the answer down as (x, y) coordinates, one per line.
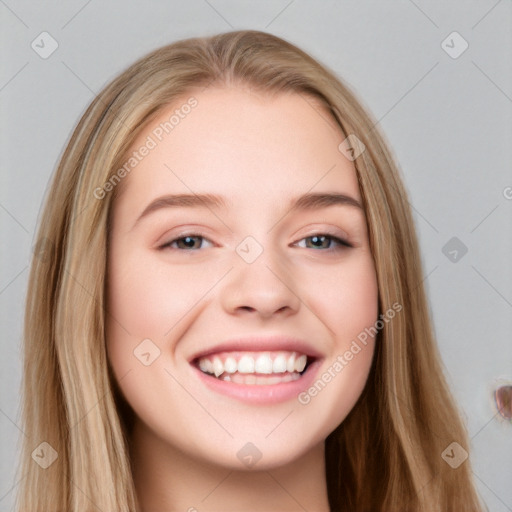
(254, 368)
(259, 369)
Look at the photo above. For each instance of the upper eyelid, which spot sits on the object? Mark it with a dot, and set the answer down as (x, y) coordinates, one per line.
(317, 230)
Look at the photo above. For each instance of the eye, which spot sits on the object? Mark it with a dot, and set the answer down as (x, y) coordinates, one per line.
(319, 241)
(186, 242)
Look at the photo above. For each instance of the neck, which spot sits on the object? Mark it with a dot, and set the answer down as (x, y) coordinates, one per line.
(168, 479)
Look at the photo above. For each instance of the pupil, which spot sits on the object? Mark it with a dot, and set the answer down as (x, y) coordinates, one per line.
(317, 239)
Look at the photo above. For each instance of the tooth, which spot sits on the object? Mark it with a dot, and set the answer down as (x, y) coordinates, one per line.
(218, 367)
(290, 364)
(246, 364)
(230, 365)
(250, 379)
(300, 363)
(205, 365)
(237, 378)
(279, 364)
(263, 364)
(226, 377)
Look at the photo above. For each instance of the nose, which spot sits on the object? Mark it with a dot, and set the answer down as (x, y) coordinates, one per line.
(262, 288)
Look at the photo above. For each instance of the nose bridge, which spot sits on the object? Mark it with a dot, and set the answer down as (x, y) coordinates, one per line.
(260, 280)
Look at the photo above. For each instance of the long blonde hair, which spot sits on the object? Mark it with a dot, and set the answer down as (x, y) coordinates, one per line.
(385, 456)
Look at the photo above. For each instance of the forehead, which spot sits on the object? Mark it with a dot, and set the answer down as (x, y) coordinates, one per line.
(245, 145)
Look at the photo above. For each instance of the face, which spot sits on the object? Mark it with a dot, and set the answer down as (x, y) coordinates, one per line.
(216, 305)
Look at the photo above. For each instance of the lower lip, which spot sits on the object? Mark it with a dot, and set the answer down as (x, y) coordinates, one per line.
(261, 394)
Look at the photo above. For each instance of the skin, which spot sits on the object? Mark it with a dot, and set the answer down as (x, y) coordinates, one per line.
(259, 152)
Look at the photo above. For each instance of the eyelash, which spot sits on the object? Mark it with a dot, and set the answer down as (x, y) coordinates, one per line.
(342, 244)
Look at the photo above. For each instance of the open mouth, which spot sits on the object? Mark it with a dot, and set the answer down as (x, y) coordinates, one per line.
(255, 368)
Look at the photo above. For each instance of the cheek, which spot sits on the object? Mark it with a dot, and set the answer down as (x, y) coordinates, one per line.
(144, 304)
(147, 298)
(348, 305)
(346, 297)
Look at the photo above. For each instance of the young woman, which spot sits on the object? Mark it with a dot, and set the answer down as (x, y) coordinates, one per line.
(230, 312)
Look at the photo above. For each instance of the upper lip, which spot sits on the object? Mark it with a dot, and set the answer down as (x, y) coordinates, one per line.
(260, 344)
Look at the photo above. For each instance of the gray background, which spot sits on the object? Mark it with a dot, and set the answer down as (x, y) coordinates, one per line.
(447, 119)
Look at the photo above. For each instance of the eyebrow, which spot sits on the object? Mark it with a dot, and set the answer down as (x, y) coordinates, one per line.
(310, 201)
